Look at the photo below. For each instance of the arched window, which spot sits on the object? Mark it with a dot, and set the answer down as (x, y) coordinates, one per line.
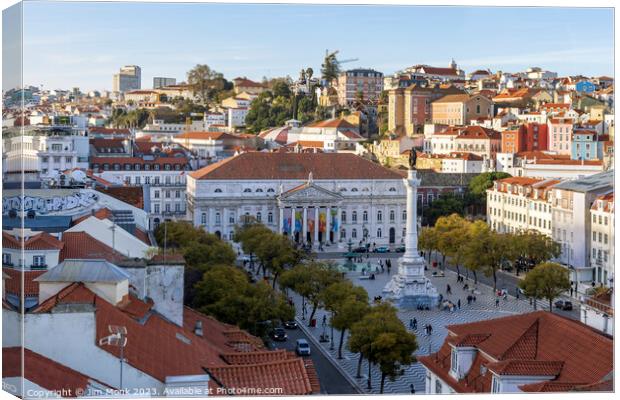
(203, 218)
(365, 233)
(379, 216)
(247, 190)
(343, 189)
(392, 189)
(270, 190)
(343, 233)
(259, 190)
(343, 217)
(354, 190)
(218, 190)
(259, 216)
(392, 215)
(365, 189)
(218, 218)
(404, 216)
(270, 218)
(365, 216)
(354, 216)
(354, 234)
(379, 232)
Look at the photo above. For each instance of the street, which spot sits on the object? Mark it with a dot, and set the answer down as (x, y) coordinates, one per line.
(330, 378)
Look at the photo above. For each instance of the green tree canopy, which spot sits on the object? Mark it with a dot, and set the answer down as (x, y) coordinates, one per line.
(206, 83)
(546, 281)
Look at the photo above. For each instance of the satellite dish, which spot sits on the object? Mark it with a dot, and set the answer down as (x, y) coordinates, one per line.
(78, 175)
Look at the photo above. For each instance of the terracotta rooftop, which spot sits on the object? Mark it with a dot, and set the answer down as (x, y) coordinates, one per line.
(81, 245)
(532, 344)
(43, 372)
(13, 284)
(38, 241)
(453, 98)
(268, 166)
(332, 123)
(205, 136)
(132, 195)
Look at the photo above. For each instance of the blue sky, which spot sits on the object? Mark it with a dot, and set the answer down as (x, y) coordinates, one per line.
(84, 44)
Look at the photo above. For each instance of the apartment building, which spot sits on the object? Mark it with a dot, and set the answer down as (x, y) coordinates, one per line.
(602, 239)
(128, 78)
(352, 84)
(461, 109)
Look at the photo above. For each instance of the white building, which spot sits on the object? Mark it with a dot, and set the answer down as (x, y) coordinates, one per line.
(236, 116)
(572, 224)
(520, 204)
(602, 239)
(314, 197)
(463, 163)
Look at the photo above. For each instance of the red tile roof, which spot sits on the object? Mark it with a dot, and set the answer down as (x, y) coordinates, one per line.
(43, 371)
(205, 136)
(161, 348)
(262, 166)
(332, 123)
(81, 245)
(132, 195)
(13, 284)
(533, 344)
(478, 132)
(39, 241)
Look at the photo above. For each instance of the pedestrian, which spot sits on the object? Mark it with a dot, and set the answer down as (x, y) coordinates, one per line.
(448, 289)
(505, 296)
(497, 302)
(324, 320)
(411, 324)
(517, 293)
(430, 329)
(412, 389)
(440, 297)
(474, 298)
(415, 324)
(458, 303)
(571, 292)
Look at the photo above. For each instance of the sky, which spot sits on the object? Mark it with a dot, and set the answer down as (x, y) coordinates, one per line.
(84, 44)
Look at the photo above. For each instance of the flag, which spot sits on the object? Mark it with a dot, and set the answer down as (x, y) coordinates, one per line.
(298, 221)
(322, 221)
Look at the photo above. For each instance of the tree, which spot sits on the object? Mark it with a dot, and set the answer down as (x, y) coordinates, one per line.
(546, 281)
(534, 247)
(478, 188)
(382, 339)
(428, 240)
(486, 250)
(453, 236)
(348, 304)
(310, 280)
(447, 204)
(330, 69)
(205, 82)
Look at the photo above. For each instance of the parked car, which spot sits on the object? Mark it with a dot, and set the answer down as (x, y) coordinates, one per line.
(564, 305)
(382, 249)
(302, 348)
(278, 334)
(399, 249)
(360, 249)
(290, 324)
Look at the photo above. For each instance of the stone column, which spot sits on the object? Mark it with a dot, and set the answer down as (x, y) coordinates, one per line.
(339, 226)
(292, 232)
(304, 228)
(328, 216)
(281, 221)
(316, 225)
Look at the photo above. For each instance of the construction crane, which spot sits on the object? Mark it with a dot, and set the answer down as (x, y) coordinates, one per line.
(333, 55)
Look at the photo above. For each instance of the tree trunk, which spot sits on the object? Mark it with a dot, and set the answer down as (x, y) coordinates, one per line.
(340, 345)
(475, 277)
(382, 382)
(275, 278)
(458, 270)
(443, 261)
(550, 305)
(359, 366)
(494, 279)
(314, 307)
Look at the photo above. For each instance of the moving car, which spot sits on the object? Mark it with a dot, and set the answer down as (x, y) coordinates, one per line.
(290, 324)
(564, 305)
(382, 249)
(302, 348)
(278, 334)
(399, 249)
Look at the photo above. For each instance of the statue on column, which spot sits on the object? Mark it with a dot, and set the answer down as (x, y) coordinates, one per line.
(412, 158)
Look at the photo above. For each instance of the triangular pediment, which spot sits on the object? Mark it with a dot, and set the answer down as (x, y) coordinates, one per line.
(310, 192)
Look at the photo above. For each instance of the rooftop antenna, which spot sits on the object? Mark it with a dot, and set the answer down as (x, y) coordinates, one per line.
(117, 338)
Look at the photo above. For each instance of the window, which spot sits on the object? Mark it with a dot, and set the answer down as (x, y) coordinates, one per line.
(379, 232)
(392, 215)
(453, 360)
(606, 239)
(379, 216)
(343, 216)
(231, 218)
(343, 233)
(177, 207)
(392, 189)
(354, 216)
(167, 207)
(6, 259)
(177, 194)
(270, 190)
(156, 208)
(354, 190)
(259, 217)
(495, 385)
(156, 180)
(218, 190)
(156, 194)
(167, 193)
(404, 215)
(270, 218)
(247, 190)
(354, 234)
(137, 180)
(365, 216)
(38, 261)
(437, 386)
(218, 219)
(259, 190)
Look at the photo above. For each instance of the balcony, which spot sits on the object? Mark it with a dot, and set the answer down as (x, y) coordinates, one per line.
(38, 266)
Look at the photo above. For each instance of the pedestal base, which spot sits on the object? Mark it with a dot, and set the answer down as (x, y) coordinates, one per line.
(409, 290)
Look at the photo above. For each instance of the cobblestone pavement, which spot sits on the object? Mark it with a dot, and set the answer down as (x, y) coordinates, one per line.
(484, 308)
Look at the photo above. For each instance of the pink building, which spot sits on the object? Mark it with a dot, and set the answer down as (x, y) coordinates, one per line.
(560, 132)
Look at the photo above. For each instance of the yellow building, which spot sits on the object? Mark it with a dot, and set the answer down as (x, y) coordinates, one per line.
(461, 109)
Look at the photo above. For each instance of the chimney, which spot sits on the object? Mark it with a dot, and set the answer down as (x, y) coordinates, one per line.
(198, 328)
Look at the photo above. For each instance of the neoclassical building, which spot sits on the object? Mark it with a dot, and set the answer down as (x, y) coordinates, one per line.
(313, 197)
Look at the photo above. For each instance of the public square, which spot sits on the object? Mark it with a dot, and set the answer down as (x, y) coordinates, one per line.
(482, 309)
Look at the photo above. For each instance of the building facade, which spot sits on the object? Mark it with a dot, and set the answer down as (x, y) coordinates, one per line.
(350, 84)
(128, 78)
(327, 198)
